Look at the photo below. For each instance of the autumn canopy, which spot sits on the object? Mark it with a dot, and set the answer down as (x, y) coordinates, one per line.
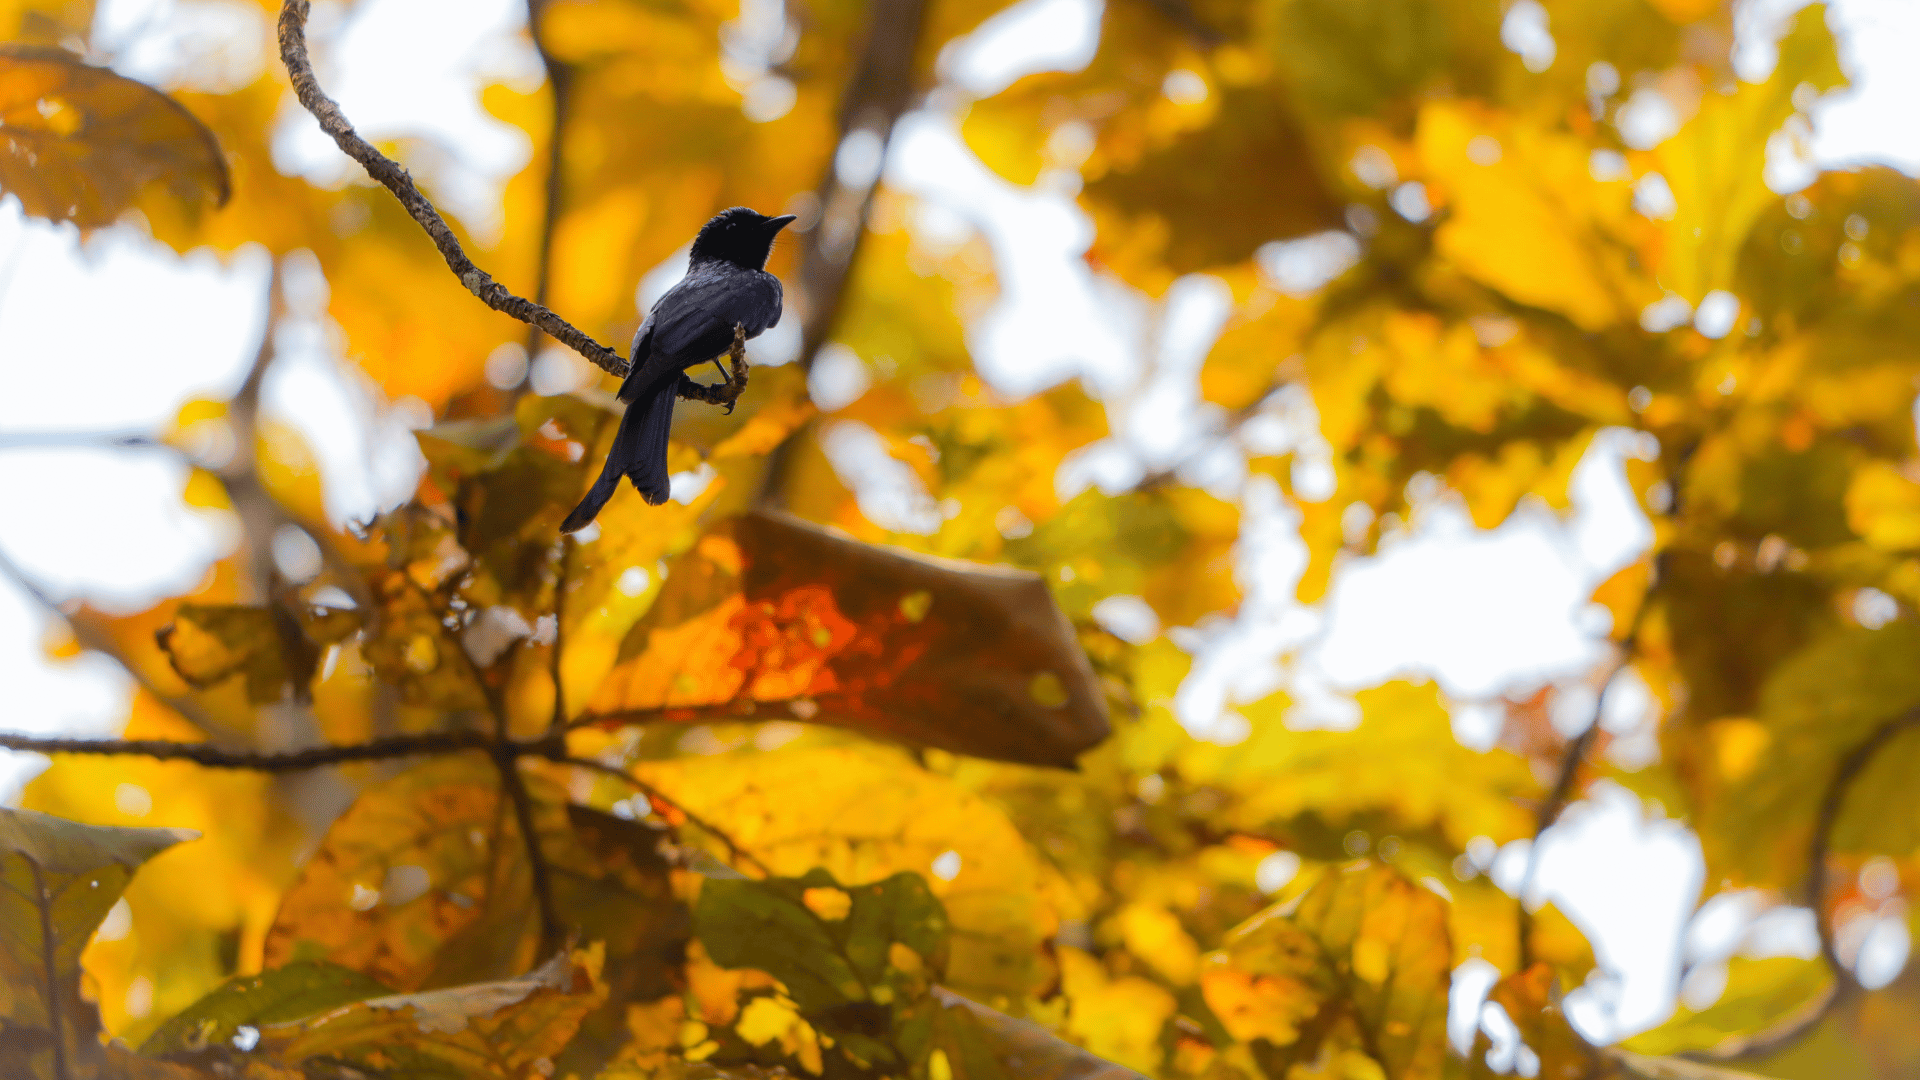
(867, 755)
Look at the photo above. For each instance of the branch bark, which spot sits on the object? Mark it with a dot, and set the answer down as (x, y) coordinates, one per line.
(214, 757)
(293, 54)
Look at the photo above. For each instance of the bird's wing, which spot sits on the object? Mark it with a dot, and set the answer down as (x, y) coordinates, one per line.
(637, 358)
(709, 306)
(694, 321)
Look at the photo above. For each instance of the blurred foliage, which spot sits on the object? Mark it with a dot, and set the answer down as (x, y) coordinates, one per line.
(714, 791)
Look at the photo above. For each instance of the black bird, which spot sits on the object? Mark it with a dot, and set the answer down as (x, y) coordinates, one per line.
(726, 284)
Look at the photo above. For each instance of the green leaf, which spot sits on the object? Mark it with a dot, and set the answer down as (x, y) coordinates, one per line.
(58, 879)
(294, 992)
(830, 945)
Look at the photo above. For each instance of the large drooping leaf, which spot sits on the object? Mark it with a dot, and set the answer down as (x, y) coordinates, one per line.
(58, 879)
(772, 617)
(301, 989)
(81, 142)
(1360, 961)
(503, 1029)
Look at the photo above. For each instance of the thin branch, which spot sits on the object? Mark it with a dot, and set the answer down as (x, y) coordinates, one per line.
(293, 53)
(738, 853)
(552, 934)
(1177, 12)
(1561, 793)
(878, 94)
(1831, 804)
(1236, 420)
(724, 711)
(559, 721)
(214, 757)
(261, 516)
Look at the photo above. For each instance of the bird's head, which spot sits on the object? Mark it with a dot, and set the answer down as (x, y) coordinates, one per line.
(740, 236)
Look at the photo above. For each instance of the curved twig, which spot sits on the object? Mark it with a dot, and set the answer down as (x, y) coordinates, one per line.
(1831, 804)
(738, 853)
(293, 53)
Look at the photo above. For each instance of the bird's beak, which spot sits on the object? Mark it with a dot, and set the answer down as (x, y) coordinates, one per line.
(774, 225)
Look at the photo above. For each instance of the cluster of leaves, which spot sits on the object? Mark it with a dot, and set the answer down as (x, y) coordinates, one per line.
(717, 792)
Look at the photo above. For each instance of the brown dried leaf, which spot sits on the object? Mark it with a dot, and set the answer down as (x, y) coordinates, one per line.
(80, 142)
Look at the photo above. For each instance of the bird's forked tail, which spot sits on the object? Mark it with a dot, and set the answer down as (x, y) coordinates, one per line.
(639, 453)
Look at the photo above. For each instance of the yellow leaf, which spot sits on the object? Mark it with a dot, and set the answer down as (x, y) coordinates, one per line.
(82, 141)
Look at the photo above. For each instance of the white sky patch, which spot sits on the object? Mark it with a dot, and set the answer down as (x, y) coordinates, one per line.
(1053, 318)
(1030, 36)
(413, 69)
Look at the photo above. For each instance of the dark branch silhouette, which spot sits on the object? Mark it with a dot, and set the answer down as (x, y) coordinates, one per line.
(215, 757)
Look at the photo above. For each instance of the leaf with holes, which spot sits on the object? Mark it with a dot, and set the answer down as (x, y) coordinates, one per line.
(81, 142)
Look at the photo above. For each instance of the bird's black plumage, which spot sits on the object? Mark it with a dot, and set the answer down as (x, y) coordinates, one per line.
(726, 285)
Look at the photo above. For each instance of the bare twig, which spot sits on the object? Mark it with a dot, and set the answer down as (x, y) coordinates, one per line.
(293, 53)
(738, 853)
(559, 721)
(552, 933)
(722, 393)
(880, 91)
(261, 516)
(214, 757)
(1180, 14)
(1831, 804)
